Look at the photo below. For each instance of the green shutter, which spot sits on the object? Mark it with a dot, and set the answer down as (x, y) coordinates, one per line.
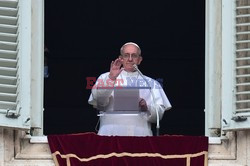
(236, 116)
(15, 63)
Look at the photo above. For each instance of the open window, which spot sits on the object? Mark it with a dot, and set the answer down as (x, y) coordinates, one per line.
(29, 63)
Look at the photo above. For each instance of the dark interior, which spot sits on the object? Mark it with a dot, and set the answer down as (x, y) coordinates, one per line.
(83, 37)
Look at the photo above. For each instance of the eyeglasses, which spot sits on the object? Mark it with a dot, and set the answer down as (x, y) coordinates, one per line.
(133, 56)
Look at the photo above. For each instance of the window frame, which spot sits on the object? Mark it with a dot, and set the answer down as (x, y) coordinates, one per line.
(213, 68)
(37, 72)
(222, 145)
(213, 96)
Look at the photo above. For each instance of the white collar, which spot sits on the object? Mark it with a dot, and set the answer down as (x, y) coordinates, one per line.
(131, 74)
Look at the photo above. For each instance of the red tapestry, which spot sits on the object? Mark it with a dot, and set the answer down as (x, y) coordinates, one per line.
(89, 149)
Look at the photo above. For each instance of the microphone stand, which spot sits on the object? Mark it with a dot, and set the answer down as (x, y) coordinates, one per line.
(153, 96)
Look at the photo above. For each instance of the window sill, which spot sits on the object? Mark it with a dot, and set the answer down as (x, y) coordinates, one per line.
(38, 139)
(214, 140)
(44, 140)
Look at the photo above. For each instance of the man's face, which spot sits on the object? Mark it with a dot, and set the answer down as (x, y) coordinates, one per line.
(130, 57)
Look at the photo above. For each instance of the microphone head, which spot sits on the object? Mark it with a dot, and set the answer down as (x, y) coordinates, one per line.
(135, 66)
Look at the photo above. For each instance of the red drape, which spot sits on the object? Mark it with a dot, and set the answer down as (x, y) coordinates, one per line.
(91, 149)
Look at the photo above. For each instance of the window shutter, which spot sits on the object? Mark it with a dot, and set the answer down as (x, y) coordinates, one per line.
(236, 115)
(15, 63)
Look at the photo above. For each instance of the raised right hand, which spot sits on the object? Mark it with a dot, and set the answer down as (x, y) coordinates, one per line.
(115, 68)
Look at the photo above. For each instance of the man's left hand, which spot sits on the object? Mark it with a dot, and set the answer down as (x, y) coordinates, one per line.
(143, 105)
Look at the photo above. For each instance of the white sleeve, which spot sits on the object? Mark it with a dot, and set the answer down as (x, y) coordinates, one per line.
(158, 103)
(152, 114)
(101, 92)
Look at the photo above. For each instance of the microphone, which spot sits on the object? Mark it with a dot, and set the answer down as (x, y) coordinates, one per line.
(136, 68)
(153, 96)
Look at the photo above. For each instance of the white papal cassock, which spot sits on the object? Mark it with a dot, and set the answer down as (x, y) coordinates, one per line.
(102, 98)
